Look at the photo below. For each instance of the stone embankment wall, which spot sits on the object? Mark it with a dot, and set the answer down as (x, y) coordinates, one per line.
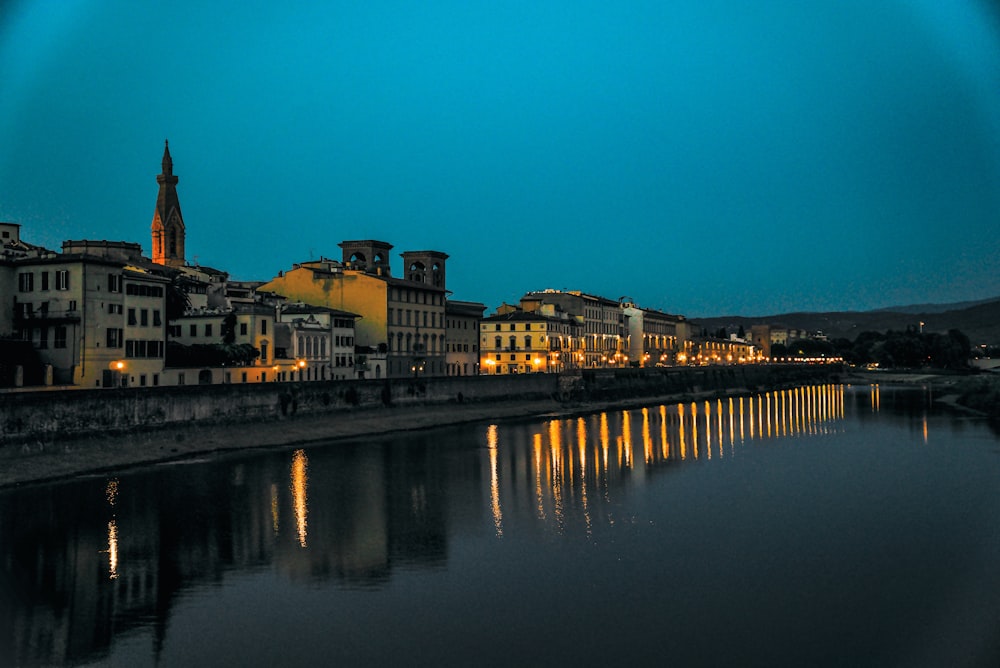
(26, 417)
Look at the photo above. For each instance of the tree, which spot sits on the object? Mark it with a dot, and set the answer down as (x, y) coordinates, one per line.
(177, 297)
(229, 328)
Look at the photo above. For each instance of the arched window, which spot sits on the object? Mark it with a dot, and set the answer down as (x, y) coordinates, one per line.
(417, 272)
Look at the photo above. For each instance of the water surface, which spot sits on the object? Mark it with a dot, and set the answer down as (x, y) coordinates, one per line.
(826, 525)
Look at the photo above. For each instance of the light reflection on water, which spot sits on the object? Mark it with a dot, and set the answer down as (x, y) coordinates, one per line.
(818, 525)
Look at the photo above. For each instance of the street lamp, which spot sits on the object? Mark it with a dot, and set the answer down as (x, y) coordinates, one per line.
(118, 367)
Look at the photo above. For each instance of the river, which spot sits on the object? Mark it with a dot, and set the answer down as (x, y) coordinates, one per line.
(826, 525)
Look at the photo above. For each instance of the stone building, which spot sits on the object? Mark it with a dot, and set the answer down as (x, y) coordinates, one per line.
(462, 337)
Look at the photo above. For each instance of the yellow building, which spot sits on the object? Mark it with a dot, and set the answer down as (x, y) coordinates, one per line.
(519, 341)
(404, 318)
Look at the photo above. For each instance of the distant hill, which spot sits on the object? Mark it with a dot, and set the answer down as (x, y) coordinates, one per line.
(979, 320)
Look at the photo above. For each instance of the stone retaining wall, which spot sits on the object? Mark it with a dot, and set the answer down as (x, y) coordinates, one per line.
(47, 415)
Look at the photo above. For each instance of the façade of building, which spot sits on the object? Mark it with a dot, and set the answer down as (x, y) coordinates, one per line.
(462, 321)
(94, 314)
(402, 318)
(542, 340)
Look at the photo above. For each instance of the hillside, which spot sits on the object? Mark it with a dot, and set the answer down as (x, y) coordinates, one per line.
(980, 322)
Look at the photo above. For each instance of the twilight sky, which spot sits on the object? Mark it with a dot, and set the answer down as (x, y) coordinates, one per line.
(707, 157)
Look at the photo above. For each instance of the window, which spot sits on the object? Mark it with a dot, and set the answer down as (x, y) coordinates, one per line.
(25, 282)
(263, 350)
(527, 325)
(114, 283)
(156, 318)
(142, 380)
(45, 280)
(263, 326)
(144, 290)
(114, 309)
(180, 379)
(144, 317)
(59, 341)
(193, 330)
(114, 337)
(156, 379)
(131, 316)
(243, 329)
(498, 327)
(43, 338)
(72, 305)
(208, 329)
(62, 279)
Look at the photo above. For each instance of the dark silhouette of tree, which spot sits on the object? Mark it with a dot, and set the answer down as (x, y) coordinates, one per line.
(229, 328)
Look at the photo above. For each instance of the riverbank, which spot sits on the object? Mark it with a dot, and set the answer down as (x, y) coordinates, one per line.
(976, 394)
(41, 462)
(58, 436)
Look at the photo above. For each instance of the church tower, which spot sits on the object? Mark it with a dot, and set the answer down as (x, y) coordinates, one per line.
(168, 223)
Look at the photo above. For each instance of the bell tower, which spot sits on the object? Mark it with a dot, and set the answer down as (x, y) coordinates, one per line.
(168, 223)
(367, 255)
(425, 267)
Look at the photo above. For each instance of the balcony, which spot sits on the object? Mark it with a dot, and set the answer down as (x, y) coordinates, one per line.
(46, 317)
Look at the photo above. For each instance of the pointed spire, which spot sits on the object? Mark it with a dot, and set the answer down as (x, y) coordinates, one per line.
(168, 221)
(168, 163)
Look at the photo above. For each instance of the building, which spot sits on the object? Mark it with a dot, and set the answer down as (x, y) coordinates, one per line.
(654, 338)
(605, 331)
(536, 341)
(462, 321)
(95, 314)
(401, 318)
(321, 340)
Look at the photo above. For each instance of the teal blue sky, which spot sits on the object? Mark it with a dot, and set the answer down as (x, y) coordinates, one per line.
(705, 158)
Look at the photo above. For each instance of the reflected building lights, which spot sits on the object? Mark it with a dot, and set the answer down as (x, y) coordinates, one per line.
(694, 429)
(708, 430)
(767, 398)
(719, 428)
(604, 439)
(539, 494)
(274, 508)
(680, 431)
(664, 443)
(112, 550)
(563, 459)
(626, 441)
(111, 494)
(492, 441)
(299, 482)
(581, 446)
